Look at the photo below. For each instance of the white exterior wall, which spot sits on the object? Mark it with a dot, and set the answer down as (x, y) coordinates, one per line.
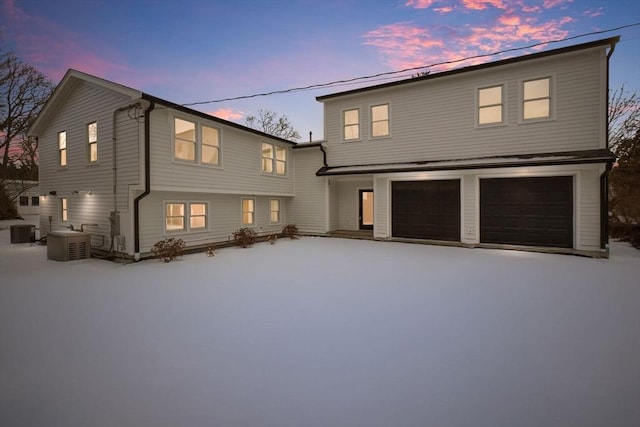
(436, 119)
(224, 217)
(349, 201)
(308, 209)
(586, 204)
(84, 104)
(240, 169)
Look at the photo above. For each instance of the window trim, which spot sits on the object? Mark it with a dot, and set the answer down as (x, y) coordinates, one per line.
(344, 125)
(502, 104)
(388, 120)
(187, 229)
(35, 199)
(198, 143)
(279, 211)
(64, 150)
(253, 212)
(274, 159)
(24, 199)
(551, 97)
(92, 143)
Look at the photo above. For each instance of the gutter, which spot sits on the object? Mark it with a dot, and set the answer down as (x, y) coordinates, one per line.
(147, 177)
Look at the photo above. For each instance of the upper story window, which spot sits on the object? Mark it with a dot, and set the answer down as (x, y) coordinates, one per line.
(24, 200)
(490, 105)
(274, 159)
(196, 143)
(351, 123)
(185, 216)
(64, 209)
(536, 99)
(62, 149)
(380, 120)
(248, 211)
(210, 152)
(92, 141)
(185, 140)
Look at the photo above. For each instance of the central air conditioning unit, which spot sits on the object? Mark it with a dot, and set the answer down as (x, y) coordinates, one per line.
(23, 233)
(68, 245)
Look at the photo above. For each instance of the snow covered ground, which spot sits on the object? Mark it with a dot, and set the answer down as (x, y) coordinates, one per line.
(321, 332)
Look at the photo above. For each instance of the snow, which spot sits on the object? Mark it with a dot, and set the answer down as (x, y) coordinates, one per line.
(321, 332)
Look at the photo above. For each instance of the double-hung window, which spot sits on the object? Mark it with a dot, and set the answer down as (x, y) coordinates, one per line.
(351, 124)
(92, 142)
(35, 201)
(380, 120)
(196, 143)
(490, 105)
(24, 200)
(62, 149)
(248, 212)
(275, 211)
(274, 159)
(536, 99)
(185, 140)
(185, 216)
(64, 209)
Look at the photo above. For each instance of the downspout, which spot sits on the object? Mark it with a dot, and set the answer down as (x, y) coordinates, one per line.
(324, 156)
(604, 178)
(147, 179)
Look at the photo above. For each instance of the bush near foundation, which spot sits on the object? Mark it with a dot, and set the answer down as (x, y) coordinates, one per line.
(168, 249)
(245, 237)
(290, 231)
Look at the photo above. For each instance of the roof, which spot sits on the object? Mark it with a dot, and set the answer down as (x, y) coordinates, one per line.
(73, 77)
(538, 159)
(598, 43)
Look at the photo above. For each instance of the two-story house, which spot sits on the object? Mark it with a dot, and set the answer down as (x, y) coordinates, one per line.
(511, 153)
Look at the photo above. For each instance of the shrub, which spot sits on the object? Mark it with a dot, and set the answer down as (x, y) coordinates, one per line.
(168, 249)
(245, 237)
(290, 231)
(211, 250)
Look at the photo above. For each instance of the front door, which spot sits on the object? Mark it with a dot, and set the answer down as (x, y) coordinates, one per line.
(366, 210)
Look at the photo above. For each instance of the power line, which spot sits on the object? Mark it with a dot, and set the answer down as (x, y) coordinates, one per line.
(393, 73)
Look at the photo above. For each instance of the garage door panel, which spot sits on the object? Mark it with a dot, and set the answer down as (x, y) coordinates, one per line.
(527, 211)
(426, 209)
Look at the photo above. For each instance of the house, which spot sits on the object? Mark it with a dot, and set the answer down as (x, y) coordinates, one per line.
(509, 154)
(26, 193)
(512, 153)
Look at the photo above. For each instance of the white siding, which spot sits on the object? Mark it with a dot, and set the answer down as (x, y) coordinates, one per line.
(589, 210)
(307, 209)
(224, 217)
(239, 172)
(349, 202)
(84, 104)
(381, 202)
(468, 187)
(435, 119)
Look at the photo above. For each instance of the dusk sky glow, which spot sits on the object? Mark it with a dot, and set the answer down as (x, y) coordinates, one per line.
(194, 51)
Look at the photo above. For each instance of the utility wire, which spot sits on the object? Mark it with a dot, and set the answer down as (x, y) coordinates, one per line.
(380, 76)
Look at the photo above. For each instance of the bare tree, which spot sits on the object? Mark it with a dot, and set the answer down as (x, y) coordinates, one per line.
(624, 116)
(268, 122)
(23, 92)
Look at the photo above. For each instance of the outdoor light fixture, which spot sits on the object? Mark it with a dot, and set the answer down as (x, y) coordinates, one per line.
(52, 193)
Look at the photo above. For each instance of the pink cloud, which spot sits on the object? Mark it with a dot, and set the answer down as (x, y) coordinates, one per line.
(420, 4)
(548, 4)
(443, 10)
(593, 13)
(483, 4)
(509, 20)
(227, 114)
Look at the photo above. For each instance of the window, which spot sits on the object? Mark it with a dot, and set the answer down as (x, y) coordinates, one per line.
(380, 120)
(62, 148)
(275, 211)
(274, 159)
(351, 120)
(24, 200)
(198, 216)
(185, 216)
(490, 105)
(64, 209)
(185, 140)
(92, 140)
(35, 201)
(536, 99)
(210, 146)
(248, 211)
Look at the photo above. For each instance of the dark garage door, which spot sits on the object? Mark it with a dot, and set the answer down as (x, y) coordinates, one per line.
(426, 209)
(527, 211)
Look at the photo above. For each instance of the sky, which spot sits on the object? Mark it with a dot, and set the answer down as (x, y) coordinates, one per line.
(198, 51)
